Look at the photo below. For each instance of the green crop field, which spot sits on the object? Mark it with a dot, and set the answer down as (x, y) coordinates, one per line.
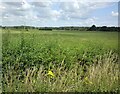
(59, 61)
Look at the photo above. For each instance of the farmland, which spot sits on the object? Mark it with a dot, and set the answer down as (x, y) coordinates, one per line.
(59, 61)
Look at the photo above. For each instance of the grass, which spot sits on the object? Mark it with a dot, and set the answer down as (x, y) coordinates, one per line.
(79, 61)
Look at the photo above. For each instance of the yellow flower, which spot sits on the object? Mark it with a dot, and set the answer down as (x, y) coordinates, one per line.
(33, 81)
(86, 78)
(87, 81)
(51, 73)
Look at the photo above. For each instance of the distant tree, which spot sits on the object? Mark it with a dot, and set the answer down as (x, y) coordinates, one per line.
(4, 27)
(104, 28)
(92, 28)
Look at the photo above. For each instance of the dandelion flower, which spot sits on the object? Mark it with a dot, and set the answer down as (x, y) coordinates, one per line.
(51, 73)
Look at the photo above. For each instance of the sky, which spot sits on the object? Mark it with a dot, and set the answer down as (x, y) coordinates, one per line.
(55, 13)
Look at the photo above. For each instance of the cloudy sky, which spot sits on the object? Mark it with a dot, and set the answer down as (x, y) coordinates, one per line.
(59, 13)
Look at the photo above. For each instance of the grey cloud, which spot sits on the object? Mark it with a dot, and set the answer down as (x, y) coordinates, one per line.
(15, 4)
(41, 4)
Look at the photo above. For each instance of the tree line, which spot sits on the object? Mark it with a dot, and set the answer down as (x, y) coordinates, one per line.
(71, 28)
(103, 28)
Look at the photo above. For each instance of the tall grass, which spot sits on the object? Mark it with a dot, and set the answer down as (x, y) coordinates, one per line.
(101, 77)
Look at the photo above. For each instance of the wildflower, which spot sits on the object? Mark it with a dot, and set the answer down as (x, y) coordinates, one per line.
(87, 81)
(51, 73)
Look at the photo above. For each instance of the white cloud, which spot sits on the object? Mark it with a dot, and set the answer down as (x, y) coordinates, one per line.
(2, 7)
(97, 5)
(63, 0)
(114, 13)
(80, 9)
(25, 5)
(27, 10)
(90, 21)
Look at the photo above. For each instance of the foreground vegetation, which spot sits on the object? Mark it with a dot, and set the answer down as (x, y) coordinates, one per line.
(56, 61)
